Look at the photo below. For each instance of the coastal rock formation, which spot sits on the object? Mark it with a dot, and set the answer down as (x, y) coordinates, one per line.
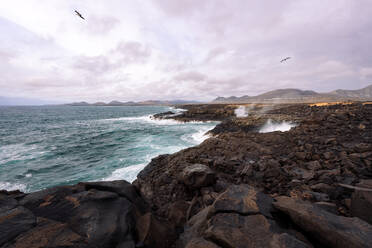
(306, 187)
(99, 214)
(328, 229)
(330, 147)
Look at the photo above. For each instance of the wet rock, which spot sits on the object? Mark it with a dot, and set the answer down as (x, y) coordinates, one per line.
(198, 175)
(14, 222)
(328, 229)
(162, 115)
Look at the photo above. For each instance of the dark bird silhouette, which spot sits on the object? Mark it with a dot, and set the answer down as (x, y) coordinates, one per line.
(78, 14)
(281, 61)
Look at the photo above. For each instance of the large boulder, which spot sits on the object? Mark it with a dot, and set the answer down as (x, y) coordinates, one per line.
(197, 175)
(49, 233)
(328, 229)
(239, 217)
(245, 200)
(92, 214)
(235, 230)
(361, 201)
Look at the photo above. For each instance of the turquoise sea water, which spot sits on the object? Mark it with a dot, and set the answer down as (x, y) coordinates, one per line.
(42, 147)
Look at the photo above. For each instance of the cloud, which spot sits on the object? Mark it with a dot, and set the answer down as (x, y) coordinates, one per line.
(182, 49)
(101, 25)
(193, 76)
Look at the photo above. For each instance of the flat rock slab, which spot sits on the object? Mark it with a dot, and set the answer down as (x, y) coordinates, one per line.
(328, 229)
(234, 230)
(243, 199)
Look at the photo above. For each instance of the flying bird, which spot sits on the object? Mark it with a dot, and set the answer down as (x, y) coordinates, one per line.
(281, 61)
(78, 14)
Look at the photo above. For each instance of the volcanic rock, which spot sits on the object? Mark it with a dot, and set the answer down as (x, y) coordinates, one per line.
(328, 229)
(361, 201)
(197, 176)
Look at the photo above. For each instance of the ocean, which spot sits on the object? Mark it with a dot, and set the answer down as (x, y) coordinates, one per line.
(46, 146)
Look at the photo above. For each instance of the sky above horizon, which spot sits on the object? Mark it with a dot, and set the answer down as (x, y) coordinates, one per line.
(186, 49)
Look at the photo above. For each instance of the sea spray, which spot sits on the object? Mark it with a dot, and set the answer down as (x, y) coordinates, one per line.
(270, 126)
(241, 111)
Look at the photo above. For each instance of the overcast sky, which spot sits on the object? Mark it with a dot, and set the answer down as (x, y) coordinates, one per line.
(181, 49)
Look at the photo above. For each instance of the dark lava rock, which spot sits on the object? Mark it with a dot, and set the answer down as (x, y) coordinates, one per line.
(92, 214)
(14, 222)
(245, 200)
(361, 201)
(197, 175)
(163, 115)
(237, 218)
(328, 229)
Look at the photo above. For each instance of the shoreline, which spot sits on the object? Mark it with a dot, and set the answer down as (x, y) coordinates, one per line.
(285, 185)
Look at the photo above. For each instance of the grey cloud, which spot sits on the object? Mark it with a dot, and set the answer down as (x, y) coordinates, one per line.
(190, 76)
(94, 64)
(133, 52)
(101, 25)
(124, 54)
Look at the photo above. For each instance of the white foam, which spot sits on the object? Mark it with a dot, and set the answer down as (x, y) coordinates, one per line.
(198, 137)
(19, 152)
(177, 109)
(127, 173)
(12, 186)
(241, 111)
(272, 127)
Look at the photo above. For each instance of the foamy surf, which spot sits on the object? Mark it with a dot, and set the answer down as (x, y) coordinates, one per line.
(130, 173)
(12, 186)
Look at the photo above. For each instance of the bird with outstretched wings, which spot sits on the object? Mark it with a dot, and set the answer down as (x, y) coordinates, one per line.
(285, 59)
(78, 14)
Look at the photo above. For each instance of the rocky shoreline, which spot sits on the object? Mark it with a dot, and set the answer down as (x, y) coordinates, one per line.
(308, 187)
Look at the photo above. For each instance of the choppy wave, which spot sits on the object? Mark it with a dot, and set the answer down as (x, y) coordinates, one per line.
(41, 147)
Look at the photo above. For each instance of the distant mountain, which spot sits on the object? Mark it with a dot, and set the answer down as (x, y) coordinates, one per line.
(296, 95)
(365, 92)
(142, 103)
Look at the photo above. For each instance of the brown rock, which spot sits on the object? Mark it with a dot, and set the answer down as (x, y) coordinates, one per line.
(197, 176)
(177, 212)
(49, 233)
(243, 199)
(326, 228)
(200, 243)
(153, 232)
(361, 201)
(234, 230)
(14, 222)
